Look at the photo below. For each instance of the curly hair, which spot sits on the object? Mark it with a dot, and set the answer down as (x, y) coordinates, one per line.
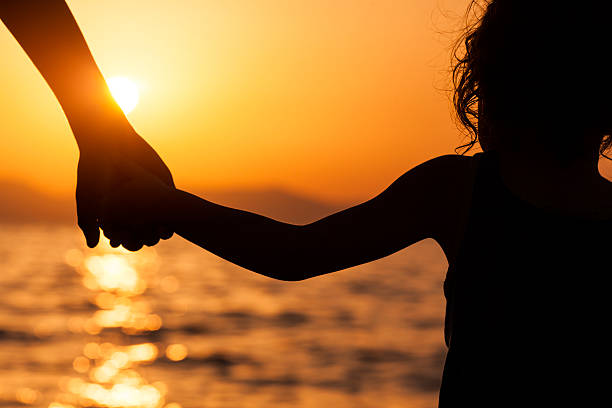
(514, 66)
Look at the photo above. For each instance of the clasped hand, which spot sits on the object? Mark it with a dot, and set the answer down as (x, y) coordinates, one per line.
(118, 191)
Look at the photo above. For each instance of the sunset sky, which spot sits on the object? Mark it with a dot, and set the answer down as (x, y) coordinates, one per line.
(333, 99)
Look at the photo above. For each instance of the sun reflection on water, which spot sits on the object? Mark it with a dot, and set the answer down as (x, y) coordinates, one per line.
(108, 372)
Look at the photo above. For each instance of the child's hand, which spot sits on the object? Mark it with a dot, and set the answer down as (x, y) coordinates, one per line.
(137, 210)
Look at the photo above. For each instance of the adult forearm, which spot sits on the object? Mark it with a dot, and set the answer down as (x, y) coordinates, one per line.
(49, 34)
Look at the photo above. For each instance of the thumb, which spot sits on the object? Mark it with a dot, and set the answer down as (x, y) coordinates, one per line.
(86, 218)
(92, 179)
(90, 230)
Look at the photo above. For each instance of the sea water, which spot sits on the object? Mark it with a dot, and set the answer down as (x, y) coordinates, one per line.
(175, 326)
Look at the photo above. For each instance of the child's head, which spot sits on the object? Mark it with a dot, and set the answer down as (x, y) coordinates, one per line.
(536, 72)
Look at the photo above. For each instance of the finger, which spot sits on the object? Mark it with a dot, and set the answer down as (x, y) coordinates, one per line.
(132, 240)
(148, 235)
(133, 245)
(164, 232)
(108, 230)
(90, 231)
(151, 241)
(114, 235)
(86, 217)
(91, 179)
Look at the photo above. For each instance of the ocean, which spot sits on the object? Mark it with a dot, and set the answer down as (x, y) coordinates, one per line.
(175, 326)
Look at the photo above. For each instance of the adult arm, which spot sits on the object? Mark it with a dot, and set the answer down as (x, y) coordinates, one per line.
(49, 34)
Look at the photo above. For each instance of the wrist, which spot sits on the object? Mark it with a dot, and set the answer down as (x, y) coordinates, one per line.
(95, 118)
(182, 207)
(101, 135)
(170, 200)
(87, 92)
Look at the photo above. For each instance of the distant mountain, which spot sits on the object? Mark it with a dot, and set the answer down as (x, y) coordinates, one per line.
(275, 203)
(20, 204)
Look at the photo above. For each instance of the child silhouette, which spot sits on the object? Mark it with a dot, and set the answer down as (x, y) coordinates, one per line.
(525, 225)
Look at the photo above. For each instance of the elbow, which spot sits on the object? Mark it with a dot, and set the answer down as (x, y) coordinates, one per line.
(292, 260)
(298, 277)
(286, 271)
(286, 274)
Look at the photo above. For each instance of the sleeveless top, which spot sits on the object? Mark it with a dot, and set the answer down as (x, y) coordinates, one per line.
(527, 304)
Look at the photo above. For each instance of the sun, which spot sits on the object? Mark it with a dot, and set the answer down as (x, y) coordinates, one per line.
(125, 92)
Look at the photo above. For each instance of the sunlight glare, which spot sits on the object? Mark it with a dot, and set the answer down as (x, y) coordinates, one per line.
(111, 379)
(125, 92)
(176, 352)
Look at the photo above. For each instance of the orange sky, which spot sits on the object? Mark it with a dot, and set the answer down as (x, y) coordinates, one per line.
(330, 98)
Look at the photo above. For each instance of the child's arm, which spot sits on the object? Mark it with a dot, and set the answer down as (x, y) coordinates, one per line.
(423, 203)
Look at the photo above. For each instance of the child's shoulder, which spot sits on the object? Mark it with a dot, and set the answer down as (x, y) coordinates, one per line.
(454, 160)
(440, 192)
(440, 182)
(450, 169)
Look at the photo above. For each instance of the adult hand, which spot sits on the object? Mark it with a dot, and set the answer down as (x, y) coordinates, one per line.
(99, 174)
